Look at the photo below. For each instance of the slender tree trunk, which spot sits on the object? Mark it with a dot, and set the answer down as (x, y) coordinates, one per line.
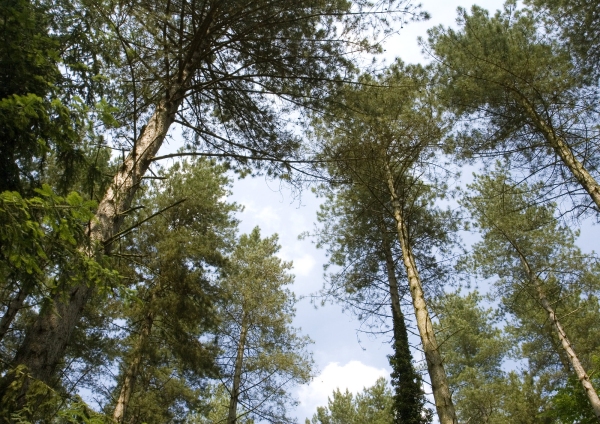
(562, 149)
(564, 340)
(408, 401)
(435, 366)
(390, 266)
(133, 370)
(14, 306)
(237, 374)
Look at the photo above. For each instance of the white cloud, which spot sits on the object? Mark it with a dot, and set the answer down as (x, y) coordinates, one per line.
(304, 264)
(268, 216)
(353, 376)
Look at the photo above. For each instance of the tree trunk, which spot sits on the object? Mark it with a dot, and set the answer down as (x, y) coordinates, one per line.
(435, 366)
(397, 315)
(237, 374)
(408, 400)
(564, 340)
(133, 370)
(46, 341)
(12, 309)
(562, 149)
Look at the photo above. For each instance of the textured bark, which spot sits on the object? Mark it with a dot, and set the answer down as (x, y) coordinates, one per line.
(237, 374)
(562, 149)
(397, 315)
(133, 370)
(46, 341)
(437, 374)
(564, 340)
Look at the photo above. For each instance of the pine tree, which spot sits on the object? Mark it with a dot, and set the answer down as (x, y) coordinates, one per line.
(172, 264)
(262, 354)
(359, 239)
(528, 98)
(374, 405)
(541, 272)
(381, 139)
(213, 68)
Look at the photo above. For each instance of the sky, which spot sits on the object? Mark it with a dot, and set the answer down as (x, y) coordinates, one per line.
(345, 358)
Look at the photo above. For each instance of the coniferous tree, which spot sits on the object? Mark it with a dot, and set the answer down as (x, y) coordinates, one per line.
(475, 343)
(541, 274)
(382, 139)
(578, 22)
(262, 354)
(359, 239)
(212, 68)
(374, 405)
(173, 271)
(528, 98)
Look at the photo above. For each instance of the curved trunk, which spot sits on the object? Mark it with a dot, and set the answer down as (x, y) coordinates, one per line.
(133, 370)
(45, 342)
(435, 366)
(237, 374)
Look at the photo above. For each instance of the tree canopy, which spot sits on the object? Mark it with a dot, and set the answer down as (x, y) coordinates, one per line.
(127, 294)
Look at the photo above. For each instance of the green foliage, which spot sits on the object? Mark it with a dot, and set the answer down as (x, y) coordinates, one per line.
(522, 238)
(41, 230)
(171, 262)
(389, 120)
(240, 58)
(570, 403)
(474, 349)
(41, 257)
(217, 409)
(374, 405)
(228, 61)
(258, 302)
(41, 124)
(520, 92)
(45, 403)
(578, 22)
(383, 131)
(475, 345)
(40, 241)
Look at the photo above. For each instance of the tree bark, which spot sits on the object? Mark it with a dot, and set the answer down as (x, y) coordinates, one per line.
(46, 341)
(562, 149)
(435, 366)
(237, 374)
(564, 340)
(397, 315)
(408, 401)
(133, 370)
